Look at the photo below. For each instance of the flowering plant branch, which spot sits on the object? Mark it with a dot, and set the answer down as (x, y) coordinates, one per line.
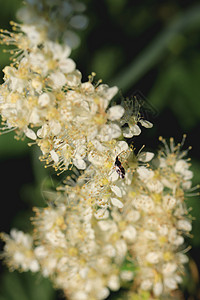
(116, 209)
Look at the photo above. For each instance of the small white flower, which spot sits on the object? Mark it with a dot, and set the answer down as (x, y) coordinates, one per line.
(143, 202)
(155, 186)
(133, 215)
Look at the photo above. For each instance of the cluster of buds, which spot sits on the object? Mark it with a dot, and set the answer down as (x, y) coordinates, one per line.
(116, 208)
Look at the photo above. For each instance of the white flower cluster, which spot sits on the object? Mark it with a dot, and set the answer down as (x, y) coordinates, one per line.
(163, 222)
(119, 209)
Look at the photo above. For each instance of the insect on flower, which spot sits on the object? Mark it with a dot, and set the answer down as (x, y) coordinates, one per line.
(119, 168)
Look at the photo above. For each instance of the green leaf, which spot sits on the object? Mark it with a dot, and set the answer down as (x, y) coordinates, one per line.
(10, 147)
(25, 286)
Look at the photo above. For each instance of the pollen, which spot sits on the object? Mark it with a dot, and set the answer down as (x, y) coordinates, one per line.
(168, 256)
(72, 251)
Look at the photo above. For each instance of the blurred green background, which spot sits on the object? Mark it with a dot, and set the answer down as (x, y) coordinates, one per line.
(145, 47)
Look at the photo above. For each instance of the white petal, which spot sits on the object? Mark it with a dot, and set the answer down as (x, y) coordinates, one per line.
(129, 132)
(30, 133)
(67, 65)
(43, 131)
(107, 225)
(95, 159)
(120, 147)
(115, 112)
(184, 225)
(34, 266)
(79, 21)
(129, 233)
(58, 79)
(109, 132)
(169, 202)
(113, 176)
(170, 283)
(145, 123)
(107, 92)
(79, 163)
(169, 268)
(55, 127)
(135, 129)
(126, 275)
(34, 117)
(71, 39)
(157, 289)
(113, 283)
(44, 99)
(54, 156)
(188, 174)
(116, 190)
(116, 202)
(153, 257)
(150, 235)
(102, 294)
(144, 173)
(145, 156)
(81, 295)
(99, 146)
(74, 78)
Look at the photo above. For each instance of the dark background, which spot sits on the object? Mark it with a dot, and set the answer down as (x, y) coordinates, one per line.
(145, 47)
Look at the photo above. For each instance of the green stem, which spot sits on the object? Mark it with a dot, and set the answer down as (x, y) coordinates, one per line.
(153, 53)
